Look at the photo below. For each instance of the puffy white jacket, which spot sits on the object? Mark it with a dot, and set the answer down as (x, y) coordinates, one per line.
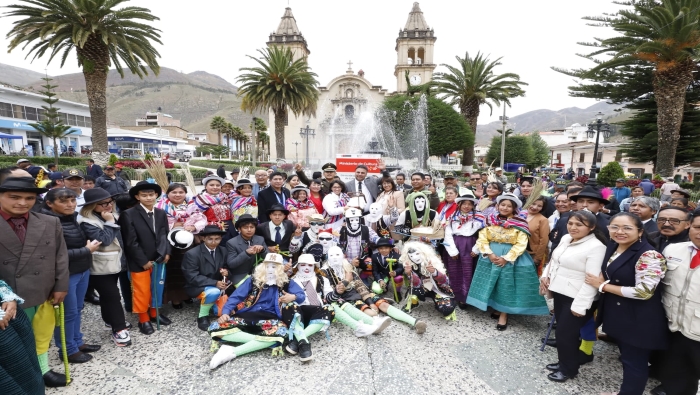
(568, 267)
(681, 291)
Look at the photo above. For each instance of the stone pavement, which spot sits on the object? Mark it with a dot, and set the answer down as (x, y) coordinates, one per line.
(465, 357)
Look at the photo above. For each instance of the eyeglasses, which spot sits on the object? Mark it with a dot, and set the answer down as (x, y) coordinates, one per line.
(475, 179)
(626, 229)
(260, 175)
(672, 221)
(316, 223)
(325, 239)
(107, 204)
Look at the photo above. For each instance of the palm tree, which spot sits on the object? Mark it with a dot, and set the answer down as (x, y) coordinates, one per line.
(102, 37)
(238, 135)
(473, 83)
(508, 131)
(280, 84)
(666, 36)
(219, 124)
(51, 126)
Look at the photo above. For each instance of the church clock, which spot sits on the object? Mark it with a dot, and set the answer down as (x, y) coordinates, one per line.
(415, 79)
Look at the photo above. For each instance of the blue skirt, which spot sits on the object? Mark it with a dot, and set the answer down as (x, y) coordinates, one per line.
(511, 289)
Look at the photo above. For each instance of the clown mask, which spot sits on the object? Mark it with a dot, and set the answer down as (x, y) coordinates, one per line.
(326, 240)
(315, 227)
(419, 203)
(305, 270)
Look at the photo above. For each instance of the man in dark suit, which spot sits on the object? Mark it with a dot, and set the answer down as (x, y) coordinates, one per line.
(35, 263)
(278, 231)
(205, 273)
(145, 233)
(645, 208)
(274, 194)
(92, 169)
(369, 186)
(245, 250)
(673, 223)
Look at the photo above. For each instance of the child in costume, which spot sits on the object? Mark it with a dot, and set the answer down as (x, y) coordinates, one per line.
(253, 314)
(378, 222)
(313, 313)
(355, 240)
(505, 278)
(300, 207)
(385, 268)
(309, 236)
(427, 277)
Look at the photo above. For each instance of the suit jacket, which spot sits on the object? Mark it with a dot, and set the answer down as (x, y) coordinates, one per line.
(142, 244)
(38, 267)
(238, 262)
(650, 226)
(263, 230)
(266, 199)
(370, 182)
(641, 323)
(256, 189)
(94, 171)
(201, 270)
(379, 271)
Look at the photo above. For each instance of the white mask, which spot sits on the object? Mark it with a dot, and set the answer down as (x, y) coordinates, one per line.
(305, 271)
(326, 242)
(354, 223)
(415, 257)
(419, 203)
(315, 228)
(375, 209)
(271, 274)
(335, 260)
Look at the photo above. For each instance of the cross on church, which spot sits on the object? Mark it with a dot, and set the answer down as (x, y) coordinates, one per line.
(349, 64)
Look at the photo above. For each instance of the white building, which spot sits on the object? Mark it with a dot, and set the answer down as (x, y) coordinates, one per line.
(579, 157)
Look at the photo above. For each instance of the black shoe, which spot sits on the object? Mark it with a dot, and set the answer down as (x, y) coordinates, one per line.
(163, 320)
(79, 357)
(550, 342)
(658, 390)
(502, 327)
(203, 323)
(188, 301)
(177, 306)
(584, 358)
(305, 351)
(292, 347)
(554, 326)
(89, 348)
(554, 367)
(92, 299)
(463, 306)
(53, 379)
(495, 316)
(146, 328)
(558, 376)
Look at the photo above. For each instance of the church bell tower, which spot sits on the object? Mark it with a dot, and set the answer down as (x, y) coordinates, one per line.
(414, 50)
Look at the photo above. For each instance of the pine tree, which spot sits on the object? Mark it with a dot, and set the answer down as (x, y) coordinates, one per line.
(51, 125)
(518, 150)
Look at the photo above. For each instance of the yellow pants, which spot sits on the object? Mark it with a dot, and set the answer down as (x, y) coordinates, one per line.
(43, 319)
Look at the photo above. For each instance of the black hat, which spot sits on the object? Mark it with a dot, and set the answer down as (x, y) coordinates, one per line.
(34, 170)
(243, 182)
(211, 230)
(329, 167)
(95, 195)
(235, 170)
(145, 186)
(590, 192)
(20, 184)
(245, 219)
(385, 242)
(55, 176)
(682, 192)
(316, 250)
(278, 207)
(70, 173)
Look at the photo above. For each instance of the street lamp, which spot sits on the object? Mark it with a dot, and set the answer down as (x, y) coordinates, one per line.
(307, 133)
(296, 150)
(594, 129)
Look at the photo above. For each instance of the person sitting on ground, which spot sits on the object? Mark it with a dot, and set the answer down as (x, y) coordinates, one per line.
(386, 270)
(245, 251)
(426, 275)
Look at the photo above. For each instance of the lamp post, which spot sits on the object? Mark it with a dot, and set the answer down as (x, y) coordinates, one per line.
(594, 129)
(307, 133)
(504, 118)
(296, 150)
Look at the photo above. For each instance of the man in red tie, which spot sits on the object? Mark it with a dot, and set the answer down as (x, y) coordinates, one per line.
(35, 263)
(681, 297)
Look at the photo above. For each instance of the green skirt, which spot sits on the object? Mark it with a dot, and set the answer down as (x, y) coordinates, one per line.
(512, 289)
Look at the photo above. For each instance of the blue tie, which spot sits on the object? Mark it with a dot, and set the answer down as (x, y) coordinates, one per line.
(278, 236)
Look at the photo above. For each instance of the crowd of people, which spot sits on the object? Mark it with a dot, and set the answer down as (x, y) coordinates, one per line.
(275, 259)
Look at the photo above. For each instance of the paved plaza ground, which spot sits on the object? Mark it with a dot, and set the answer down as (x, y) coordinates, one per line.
(465, 357)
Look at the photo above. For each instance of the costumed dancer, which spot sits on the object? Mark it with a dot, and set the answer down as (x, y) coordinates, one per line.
(505, 278)
(300, 207)
(243, 201)
(205, 274)
(381, 223)
(335, 204)
(253, 313)
(310, 236)
(215, 205)
(174, 204)
(351, 300)
(460, 238)
(313, 314)
(355, 240)
(418, 214)
(426, 272)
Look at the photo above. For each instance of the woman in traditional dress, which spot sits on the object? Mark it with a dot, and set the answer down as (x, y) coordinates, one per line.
(243, 201)
(316, 195)
(505, 277)
(215, 205)
(447, 207)
(227, 188)
(300, 207)
(173, 202)
(487, 204)
(460, 237)
(335, 204)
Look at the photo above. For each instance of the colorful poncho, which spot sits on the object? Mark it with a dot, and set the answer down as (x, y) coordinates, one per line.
(243, 205)
(461, 218)
(217, 208)
(179, 213)
(511, 222)
(343, 200)
(299, 211)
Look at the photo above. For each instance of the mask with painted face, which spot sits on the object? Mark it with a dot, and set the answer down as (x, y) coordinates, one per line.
(326, 240)
(271, 273)
(354, 224)
(315, 227)
(305, 271)
(375, 212)
(419, 204)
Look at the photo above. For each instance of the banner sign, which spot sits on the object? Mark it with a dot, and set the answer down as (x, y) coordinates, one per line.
(348, 163)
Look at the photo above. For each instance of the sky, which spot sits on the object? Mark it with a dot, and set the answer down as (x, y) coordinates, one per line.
(217, 35)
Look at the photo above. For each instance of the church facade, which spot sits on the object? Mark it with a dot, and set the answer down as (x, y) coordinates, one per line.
(346, 105)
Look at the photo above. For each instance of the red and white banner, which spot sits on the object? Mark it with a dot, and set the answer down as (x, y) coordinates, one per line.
(348, 163)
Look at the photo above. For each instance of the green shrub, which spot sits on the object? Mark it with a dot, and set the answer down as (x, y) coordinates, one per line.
(113, 159)
(609, 173)
(45, 160)
(687, 185)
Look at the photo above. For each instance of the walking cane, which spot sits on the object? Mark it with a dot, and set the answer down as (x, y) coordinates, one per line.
(156, 281)
(60, 314)
(393, 283)
(549, 331)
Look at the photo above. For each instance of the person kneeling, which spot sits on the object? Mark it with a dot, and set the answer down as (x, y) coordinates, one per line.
(253, 314)
(204, 272)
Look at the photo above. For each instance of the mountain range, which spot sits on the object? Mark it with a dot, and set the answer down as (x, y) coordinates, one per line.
(195, 98)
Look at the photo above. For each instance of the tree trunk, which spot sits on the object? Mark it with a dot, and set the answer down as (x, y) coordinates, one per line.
(55, 151)
(94, 59)
(470, 113)
(669, 91)
(279, 131)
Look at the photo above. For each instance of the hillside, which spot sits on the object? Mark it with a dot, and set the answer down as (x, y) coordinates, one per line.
(16, 76)
(541, 120)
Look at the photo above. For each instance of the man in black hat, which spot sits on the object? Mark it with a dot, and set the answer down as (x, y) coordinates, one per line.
(278, 231)
(245, 250)
(587, 198)
(73, 179)
(329, 174)
(145, 232)
(35, 263)
(206, 277)
(234, 174)
(386, 274)
(275, 194)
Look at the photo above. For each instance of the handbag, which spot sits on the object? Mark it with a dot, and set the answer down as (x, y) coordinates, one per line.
(107, 259)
